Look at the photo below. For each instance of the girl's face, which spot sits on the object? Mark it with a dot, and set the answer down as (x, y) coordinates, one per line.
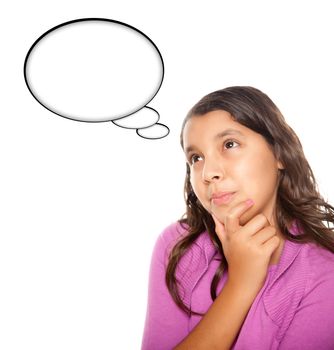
(225, 156)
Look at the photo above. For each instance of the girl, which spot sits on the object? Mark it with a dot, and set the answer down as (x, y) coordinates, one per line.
(251, 266)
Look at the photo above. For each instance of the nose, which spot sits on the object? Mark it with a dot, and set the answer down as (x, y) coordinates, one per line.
(212, 171)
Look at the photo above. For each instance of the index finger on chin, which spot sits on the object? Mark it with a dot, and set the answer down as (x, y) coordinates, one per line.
(232, 219)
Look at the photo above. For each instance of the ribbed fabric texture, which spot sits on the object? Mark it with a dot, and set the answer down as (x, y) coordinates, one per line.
(283, 295)
(193, 266)
(294, 309)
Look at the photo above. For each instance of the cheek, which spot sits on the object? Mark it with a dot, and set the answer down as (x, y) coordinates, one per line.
(199, 190)
(194, 179)
(259, 179)
(196, 186)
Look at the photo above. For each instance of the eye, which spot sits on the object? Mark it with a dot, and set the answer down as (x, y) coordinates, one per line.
(229, 142)
(194, 158)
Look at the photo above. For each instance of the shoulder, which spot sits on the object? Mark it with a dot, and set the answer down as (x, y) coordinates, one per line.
(312, 255)
(312, 273)
(316, 259)
(319, 254)
(173, 233)
(304, 280)
(312, 266)
(197, 254)
(176, 231)
(309, 323)
(193, 263)
(320, 263)
(167, 239)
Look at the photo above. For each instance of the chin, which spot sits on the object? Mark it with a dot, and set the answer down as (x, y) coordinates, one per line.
(220, 213)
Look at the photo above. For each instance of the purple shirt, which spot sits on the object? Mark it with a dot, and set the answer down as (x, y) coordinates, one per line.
(294, 309)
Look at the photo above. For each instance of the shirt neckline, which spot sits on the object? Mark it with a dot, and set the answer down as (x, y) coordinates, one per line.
(272, 267)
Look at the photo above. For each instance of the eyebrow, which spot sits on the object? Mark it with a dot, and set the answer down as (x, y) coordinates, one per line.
(228, 132)
(217, 137)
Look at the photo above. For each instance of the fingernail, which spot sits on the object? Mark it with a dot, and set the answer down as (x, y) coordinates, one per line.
(249, 202)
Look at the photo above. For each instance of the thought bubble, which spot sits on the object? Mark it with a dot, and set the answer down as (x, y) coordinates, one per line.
(97, 70)
(152, 131)
(144, 118)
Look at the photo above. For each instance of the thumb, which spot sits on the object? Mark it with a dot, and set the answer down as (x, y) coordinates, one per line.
(220, 230)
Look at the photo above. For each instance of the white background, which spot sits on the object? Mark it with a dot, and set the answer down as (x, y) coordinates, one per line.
(83, 203)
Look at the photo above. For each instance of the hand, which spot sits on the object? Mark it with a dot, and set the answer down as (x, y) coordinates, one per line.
(247, 248)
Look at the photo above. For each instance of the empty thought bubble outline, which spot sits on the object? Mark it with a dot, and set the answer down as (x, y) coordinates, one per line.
(86, 20)
(144, 127)
(153, 138)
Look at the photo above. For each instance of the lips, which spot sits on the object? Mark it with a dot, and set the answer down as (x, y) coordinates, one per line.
(219, 198)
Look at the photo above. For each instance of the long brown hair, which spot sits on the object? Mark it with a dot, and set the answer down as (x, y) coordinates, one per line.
(298, 197)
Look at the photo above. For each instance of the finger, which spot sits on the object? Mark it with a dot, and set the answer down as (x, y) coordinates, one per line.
(272, 244)
(219, 228)
(233, 216)
(254, 225)
(264, 235)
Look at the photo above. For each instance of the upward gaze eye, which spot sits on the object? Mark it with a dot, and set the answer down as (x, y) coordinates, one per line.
(228, 142)
(193, 158)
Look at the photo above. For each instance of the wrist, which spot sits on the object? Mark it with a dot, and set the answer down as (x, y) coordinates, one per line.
(245, 289)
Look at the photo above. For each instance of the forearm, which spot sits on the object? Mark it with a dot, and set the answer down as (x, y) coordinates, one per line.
(222, 322)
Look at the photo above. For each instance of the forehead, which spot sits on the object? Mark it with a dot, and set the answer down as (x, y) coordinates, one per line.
(211, 124)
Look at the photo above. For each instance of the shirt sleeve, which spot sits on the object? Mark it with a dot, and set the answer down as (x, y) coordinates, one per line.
(166, 324)
(313, 324)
